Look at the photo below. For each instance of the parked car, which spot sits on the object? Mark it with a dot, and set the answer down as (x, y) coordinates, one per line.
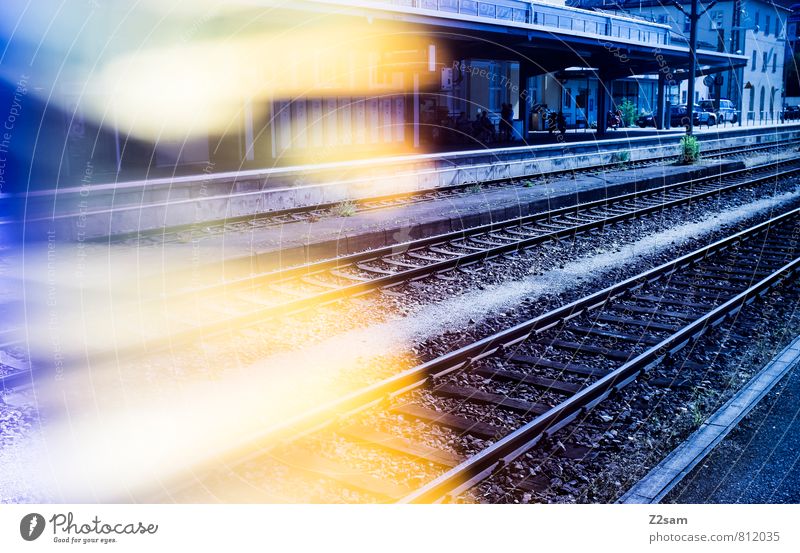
(704, 117)
(724, 110)
(678, 116)
(646, 119)
(791, 113)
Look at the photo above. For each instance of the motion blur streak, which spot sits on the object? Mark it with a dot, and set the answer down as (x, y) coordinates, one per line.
(154, 71)
(115, 427)
(180, 69)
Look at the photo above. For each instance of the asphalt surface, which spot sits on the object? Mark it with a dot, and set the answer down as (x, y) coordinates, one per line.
(759, 461)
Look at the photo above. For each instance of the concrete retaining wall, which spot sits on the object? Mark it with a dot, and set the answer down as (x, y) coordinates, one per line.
(119, 208)
(328, 240)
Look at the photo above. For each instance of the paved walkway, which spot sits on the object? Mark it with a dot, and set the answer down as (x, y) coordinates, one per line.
(590, 135)
(759, 462)
(671, 473)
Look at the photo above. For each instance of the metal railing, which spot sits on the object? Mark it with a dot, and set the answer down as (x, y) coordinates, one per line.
(767, 117)
(558, 17)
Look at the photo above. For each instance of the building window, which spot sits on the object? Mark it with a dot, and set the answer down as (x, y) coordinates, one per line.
(758, 20)
(767, 25)
(716, 19)
(683, 97)
(777, 26)
(772, 101)
(766, 62)
(687, 24)
(774, 63)
(753, 64)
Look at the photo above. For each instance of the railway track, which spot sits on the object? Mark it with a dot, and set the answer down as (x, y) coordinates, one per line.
(250, 223)
(197, 313)
(465, 415)
(269, 295)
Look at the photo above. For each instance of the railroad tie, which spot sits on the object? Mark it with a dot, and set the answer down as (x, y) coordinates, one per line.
(540, 382)
(653, 311)
(316, 465)
(637, 322)
(617, 355)
(555, 365)
(383, 440)
(670, 301)
(602, 333)
(455, 422)
(488, 398)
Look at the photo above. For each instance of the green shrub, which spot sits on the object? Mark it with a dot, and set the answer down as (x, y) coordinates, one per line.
(690, 149)
(628, 113)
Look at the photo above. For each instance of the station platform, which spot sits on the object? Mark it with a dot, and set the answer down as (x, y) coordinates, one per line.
(232, 255)
(584, 134)
(114, 208)
(581, 135)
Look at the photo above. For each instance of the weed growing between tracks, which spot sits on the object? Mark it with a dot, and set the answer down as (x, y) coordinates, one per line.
(621, 159)
(345, 208)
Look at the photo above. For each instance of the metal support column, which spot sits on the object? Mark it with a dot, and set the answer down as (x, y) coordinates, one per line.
(692, 68)
(526, 100)
(661, 101)
(602, 104)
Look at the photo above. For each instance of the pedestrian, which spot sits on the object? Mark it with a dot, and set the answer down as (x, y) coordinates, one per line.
(505, 116)
(487, 127)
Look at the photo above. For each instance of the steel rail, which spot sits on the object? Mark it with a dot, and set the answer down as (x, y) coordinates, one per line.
(16, 379)
(282, 275)
(473, 470)
(498, 455)
(417, 376)
(260, 314)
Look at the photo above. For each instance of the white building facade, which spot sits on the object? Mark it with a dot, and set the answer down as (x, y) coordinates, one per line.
(753, 28)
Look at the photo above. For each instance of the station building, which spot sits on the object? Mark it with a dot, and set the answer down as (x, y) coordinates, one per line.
(419, 93)
(756, 29)
(790, 66)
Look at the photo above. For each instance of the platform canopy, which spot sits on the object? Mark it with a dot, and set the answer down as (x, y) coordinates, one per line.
(546, 37)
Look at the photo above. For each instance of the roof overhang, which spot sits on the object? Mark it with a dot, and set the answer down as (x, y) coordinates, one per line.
(546, 49)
